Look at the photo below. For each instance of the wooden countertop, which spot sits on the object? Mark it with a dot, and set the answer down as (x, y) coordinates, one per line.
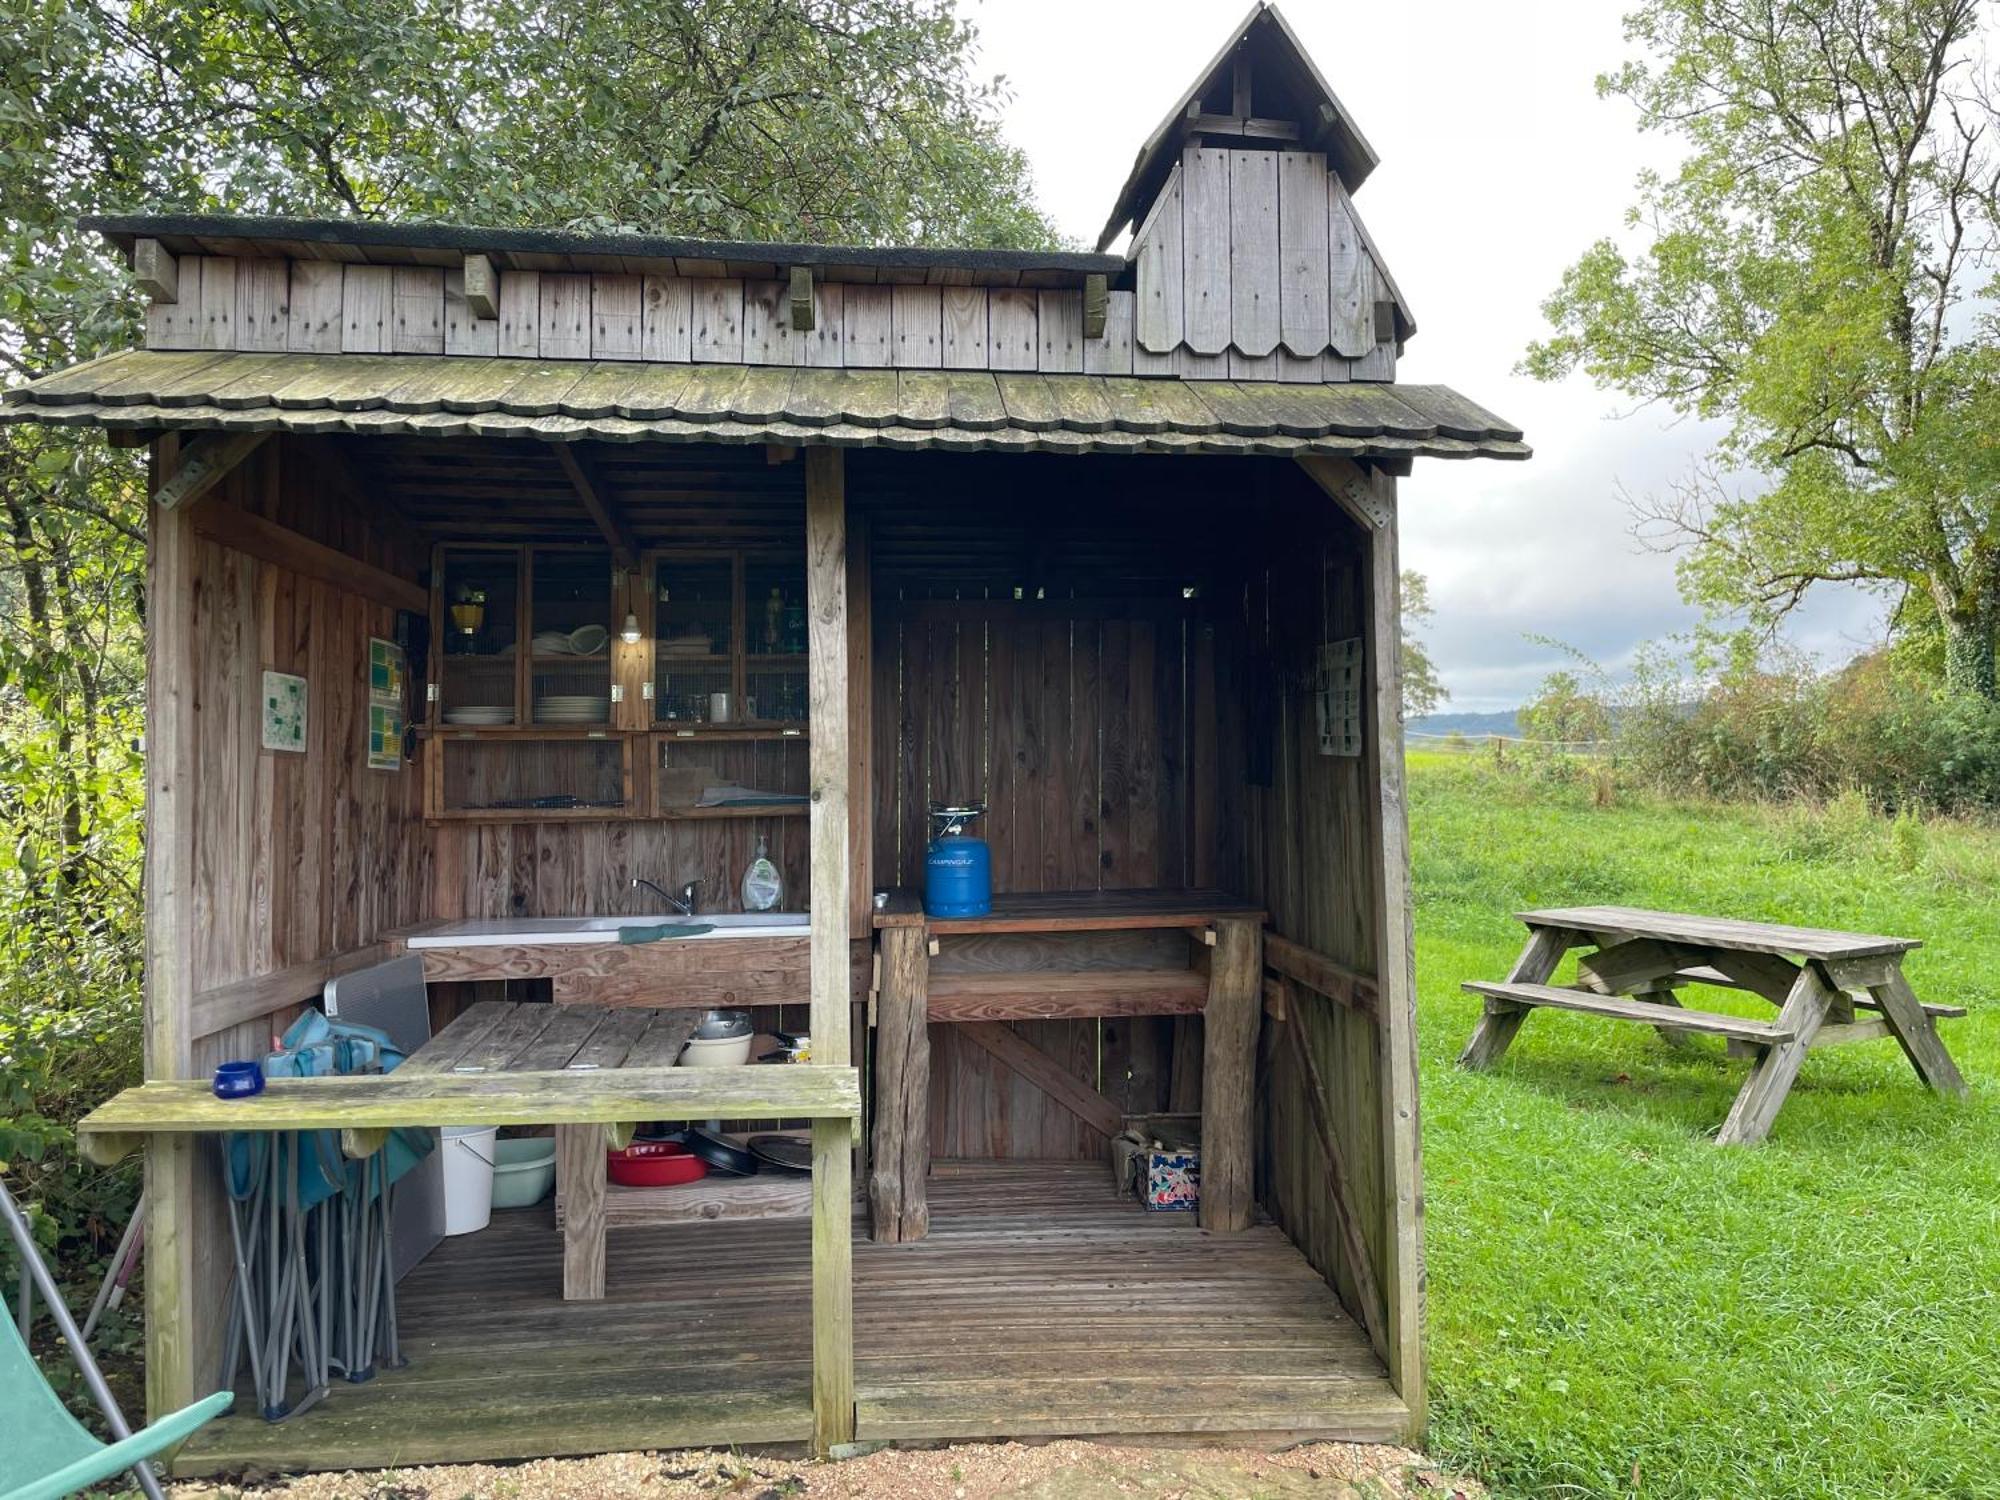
(1077, 911)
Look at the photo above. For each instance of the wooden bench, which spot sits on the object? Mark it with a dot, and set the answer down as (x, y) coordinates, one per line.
(1652, 1013)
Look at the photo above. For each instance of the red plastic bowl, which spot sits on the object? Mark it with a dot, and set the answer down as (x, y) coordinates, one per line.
(654, 1164)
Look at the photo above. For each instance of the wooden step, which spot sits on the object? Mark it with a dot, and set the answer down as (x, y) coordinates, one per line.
(1057, 995)
(1707, 1022)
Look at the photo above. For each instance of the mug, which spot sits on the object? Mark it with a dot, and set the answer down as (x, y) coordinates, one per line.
(718, 708)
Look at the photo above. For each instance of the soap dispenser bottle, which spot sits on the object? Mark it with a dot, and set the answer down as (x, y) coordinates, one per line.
(763, 887)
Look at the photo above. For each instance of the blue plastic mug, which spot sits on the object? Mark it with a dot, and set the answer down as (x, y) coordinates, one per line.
(239, 1080)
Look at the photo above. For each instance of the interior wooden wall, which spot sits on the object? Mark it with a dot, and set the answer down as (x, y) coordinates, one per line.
(1309, 831)
(1084, 713)
(296, 856)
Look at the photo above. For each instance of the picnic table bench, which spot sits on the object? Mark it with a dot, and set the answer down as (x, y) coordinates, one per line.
(1830, 988)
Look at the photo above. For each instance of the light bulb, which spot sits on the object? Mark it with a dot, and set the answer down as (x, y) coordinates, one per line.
(630, 634)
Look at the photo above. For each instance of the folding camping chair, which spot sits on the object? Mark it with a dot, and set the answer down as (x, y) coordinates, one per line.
(48, 1453)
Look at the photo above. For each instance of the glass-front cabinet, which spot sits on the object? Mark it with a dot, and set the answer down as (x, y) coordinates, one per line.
(570, 610)
(774, 656)
(564, 687)
(729, 642)
(479, 637)
(694, 639)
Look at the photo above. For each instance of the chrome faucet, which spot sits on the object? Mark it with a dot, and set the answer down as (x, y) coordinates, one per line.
(685, 903)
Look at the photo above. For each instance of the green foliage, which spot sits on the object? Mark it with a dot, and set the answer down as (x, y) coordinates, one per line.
(1769, 726)
(1423, 690)
(1807, 276)
(1565, 713)
(1618, 1308)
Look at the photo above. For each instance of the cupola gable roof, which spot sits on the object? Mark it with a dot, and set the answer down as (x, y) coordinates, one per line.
(1261, 87)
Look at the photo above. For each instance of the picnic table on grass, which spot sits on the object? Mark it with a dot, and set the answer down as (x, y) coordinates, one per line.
(1830, 988)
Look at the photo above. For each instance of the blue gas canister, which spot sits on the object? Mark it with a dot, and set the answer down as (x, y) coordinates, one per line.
(958, 868)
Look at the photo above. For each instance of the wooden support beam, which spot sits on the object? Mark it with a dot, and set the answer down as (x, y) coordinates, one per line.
(581, 1175)
(1339, 1182)
(1228, 1077)
(1096, 302)
(203, 463)
(1046, 1074)
(898, 1206)
(801, 299)
(254, 536)
(482, 287)
(1369, 498)
(596, 499)
(1320, 974)
(171, 1161)
(156, 271)
(1242, 127)
(828, 769)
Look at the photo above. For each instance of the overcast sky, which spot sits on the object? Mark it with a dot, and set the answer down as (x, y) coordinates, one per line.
(1499, 165)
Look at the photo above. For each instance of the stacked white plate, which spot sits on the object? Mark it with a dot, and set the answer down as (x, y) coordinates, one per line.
(477, 714)
(572, 708)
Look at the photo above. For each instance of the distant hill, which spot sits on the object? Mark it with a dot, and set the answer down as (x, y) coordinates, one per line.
(1472, 726)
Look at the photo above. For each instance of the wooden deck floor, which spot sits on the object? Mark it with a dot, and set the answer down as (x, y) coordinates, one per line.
(1041, 1305)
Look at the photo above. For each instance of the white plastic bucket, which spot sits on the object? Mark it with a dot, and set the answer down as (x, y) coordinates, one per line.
(468, 1177)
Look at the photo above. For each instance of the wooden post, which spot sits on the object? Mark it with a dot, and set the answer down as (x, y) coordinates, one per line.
(580, 1175)
(1229, 1075)
(1368, 496)
(832, 1140)
(169, 1042)
(898, 1199)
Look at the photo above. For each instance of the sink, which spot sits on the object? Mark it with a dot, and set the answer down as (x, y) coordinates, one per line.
(528, 932)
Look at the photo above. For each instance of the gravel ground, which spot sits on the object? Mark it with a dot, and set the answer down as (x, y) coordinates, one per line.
(995, 1471)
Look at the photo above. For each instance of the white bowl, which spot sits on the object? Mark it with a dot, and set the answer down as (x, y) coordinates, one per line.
(719, 1052)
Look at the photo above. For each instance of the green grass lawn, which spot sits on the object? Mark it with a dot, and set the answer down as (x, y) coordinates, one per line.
(1618, 1307)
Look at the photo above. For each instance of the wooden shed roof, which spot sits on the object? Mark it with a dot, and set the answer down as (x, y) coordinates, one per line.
(626, 402)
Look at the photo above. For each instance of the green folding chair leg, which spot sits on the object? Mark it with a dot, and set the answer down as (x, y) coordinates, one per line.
(115, 1458)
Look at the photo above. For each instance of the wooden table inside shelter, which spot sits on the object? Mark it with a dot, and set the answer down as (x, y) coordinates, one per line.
(1830, 988)
(503, 1037)
(1064, 955)
(593, 1072)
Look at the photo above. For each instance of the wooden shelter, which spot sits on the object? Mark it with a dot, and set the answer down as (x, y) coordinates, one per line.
(1104, 541)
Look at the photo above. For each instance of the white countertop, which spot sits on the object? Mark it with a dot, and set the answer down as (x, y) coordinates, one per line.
(528, 932)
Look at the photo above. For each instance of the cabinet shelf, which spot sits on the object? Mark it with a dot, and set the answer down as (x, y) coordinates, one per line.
(785, 810)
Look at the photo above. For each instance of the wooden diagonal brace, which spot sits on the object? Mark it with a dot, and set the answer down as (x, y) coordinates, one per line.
(596, 500)
(1340, 1183)
(1046, 1074)
(203, 463)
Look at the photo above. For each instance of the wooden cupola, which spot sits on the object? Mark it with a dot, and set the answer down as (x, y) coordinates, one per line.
(1249, 258)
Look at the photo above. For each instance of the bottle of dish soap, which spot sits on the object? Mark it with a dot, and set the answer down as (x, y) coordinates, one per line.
(763, 887)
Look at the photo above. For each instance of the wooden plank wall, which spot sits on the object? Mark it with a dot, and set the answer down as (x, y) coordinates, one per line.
(296, 857)
(325, 307)
(1252, 265)
(1086, 719)
(1306, 822)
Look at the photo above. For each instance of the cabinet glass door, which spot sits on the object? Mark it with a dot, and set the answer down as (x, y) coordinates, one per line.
(479, 661)
(774, 656)
(694, 635)
(570, 614)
